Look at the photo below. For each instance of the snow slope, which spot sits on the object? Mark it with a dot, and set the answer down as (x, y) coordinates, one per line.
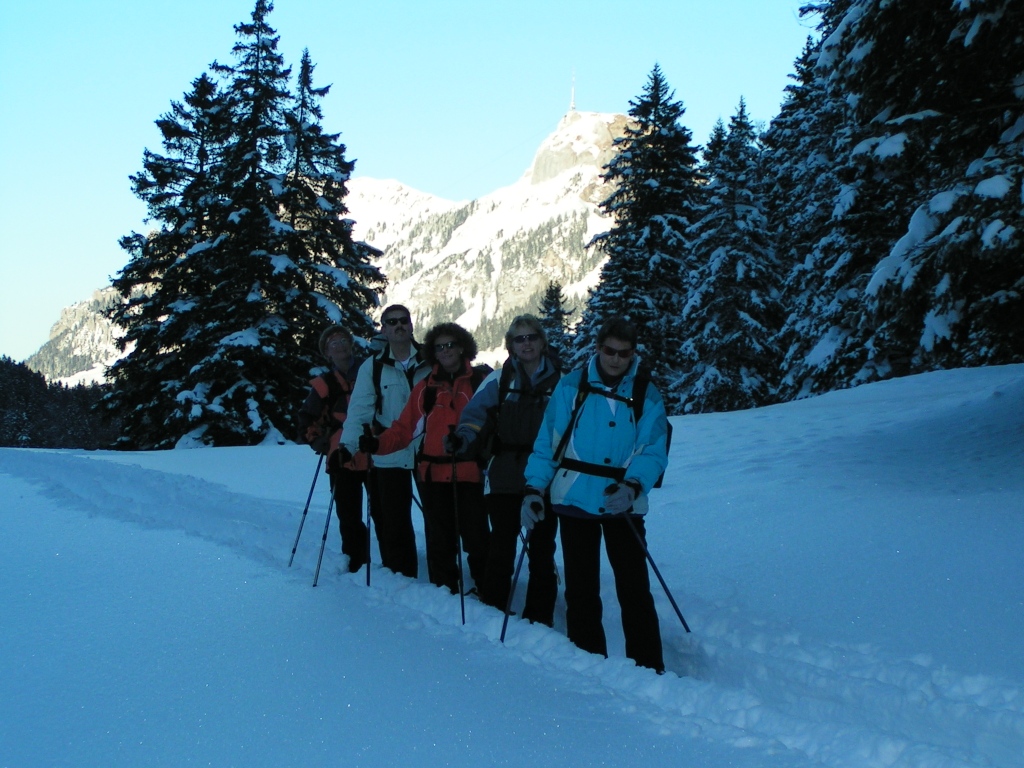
(850, 566)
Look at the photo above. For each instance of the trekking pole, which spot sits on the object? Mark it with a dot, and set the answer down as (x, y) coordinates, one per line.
(515, 580)
(369, 432)
(323, 541)
(302, 521)
(458, 536)
(657, 573)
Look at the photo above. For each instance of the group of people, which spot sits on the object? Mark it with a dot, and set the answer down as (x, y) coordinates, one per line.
(521, 451)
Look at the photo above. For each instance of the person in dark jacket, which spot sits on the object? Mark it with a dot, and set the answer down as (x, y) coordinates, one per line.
(506, 412)
(320, 423)
(433, 407)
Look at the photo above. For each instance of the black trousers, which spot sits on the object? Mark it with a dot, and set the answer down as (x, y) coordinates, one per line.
(439, 528)
(503, 511)
(347, 487)
(391, 510)
(581, 553)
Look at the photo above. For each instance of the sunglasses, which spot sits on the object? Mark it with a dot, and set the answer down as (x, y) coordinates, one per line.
(625, 354)
(525, 338)
(397, 320)
(446, 345)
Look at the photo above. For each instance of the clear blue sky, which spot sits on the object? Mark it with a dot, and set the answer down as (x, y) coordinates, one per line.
(451, 97)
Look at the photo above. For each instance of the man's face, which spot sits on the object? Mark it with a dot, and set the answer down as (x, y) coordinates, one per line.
(397, 326)
(616, 356)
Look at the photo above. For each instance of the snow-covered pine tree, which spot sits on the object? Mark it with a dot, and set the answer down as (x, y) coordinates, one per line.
(334, 276)
(879, 180)
(732, 310)
(801, 188)
(160, 284)
(274, 264)
(657, 196)
(951, 291)
(554, 319)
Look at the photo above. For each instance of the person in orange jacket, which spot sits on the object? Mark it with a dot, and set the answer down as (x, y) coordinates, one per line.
(320, 422)
(445, 483)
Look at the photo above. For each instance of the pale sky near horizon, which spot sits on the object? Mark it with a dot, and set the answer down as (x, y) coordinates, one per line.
(451, 97)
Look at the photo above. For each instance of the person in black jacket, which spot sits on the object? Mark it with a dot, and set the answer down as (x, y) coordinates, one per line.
(320, 422)
(506, 412)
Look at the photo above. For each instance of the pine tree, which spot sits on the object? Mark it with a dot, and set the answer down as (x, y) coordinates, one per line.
(263, 260)
(800, 196)
(828, 334)
(732, 311)
(162, 280)
(554, 319)
(657, 196)
(950, 293)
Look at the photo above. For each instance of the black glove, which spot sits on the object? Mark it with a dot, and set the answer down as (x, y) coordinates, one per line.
(454, 443)
(344, 455)
(321, 444)
(368, 444)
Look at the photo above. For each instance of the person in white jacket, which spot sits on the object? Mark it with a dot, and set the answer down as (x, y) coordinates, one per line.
(380, 393)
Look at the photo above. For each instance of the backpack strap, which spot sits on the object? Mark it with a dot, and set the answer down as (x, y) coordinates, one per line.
(636, 404)
(378, 371)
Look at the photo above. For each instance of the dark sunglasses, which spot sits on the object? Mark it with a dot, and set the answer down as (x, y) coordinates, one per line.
(447, 345)
(525, 338)
(625, 354)
(397, 320)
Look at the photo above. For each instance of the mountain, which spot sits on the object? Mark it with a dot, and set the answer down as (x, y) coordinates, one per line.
(482, 262)
(479, 263)
(81, 344)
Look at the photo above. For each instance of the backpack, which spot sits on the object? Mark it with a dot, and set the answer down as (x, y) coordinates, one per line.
(489, 440)
(635, 402)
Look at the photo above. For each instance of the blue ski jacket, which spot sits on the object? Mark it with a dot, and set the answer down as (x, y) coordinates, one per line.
(604, 436)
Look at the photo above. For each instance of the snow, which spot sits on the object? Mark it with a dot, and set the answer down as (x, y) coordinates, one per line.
(994, 186)
(849, 564)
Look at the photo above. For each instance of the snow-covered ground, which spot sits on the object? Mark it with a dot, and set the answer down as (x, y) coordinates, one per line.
(852, 567)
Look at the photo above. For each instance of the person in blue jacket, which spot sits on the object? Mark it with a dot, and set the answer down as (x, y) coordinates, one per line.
(598, 463)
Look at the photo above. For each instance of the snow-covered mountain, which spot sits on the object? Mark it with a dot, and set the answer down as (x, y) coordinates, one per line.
(81, 344)
(478, 262)
(484, 261)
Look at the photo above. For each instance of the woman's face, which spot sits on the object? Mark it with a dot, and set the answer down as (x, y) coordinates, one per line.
(339, 349)
(448, 353)
(527, 344)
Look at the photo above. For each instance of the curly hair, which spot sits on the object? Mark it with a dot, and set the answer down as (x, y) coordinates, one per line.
(461, 336)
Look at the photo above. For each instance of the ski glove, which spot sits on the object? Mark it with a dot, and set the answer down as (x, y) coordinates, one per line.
(453, 443)
(619, 498)
(321, 444)
(532, 511)
(368, 443)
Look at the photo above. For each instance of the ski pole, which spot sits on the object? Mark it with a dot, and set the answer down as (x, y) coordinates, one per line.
(323, 541)
(369, 432)
(657, 573)
(458, 536)
(302, 521)
(515, 580)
